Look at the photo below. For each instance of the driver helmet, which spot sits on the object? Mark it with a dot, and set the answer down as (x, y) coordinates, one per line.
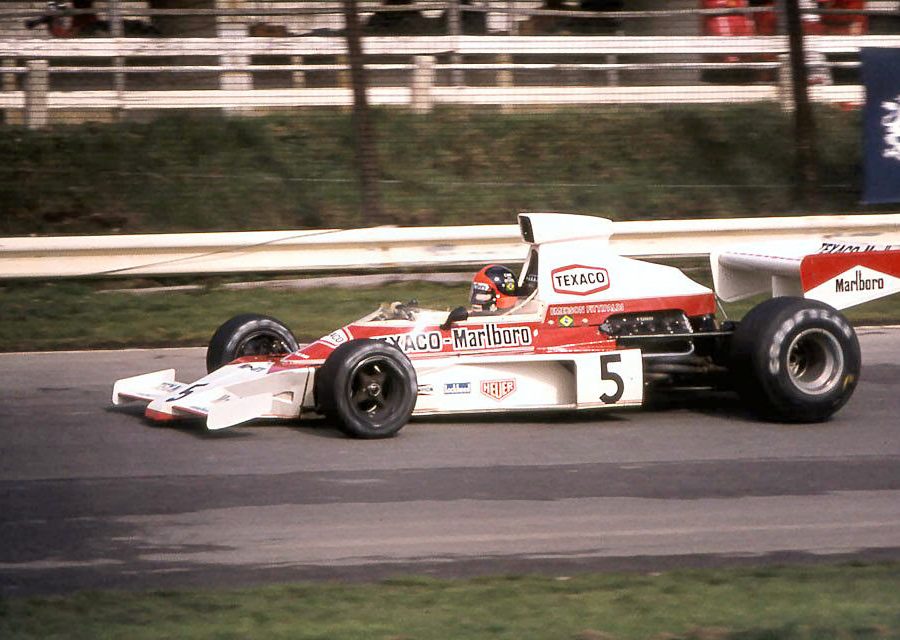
(493, 288)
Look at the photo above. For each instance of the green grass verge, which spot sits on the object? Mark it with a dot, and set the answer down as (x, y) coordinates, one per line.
(454, 166)
(81, 315)
(809, 603)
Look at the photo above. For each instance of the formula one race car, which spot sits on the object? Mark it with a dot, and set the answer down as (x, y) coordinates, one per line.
(581, 328)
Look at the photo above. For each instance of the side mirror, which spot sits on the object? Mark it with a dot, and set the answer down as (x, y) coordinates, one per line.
(457, 315)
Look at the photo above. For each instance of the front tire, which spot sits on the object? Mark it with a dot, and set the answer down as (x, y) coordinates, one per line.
(249, 334)
(795, 360)
(368, 387)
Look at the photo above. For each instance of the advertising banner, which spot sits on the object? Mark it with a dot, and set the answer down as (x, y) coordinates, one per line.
(881, 125)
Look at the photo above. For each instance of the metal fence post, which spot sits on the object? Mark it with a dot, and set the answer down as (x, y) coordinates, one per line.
(37, 86)
(454, 29)
(117, 30)
(512, 25)
(233, 27)
(785, 82)
(423, 78)
(505, 78)
(298, 78)
(343, 76)
(235, 80)
(9, 79)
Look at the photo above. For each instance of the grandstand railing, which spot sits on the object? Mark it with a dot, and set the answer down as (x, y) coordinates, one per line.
(419, 59)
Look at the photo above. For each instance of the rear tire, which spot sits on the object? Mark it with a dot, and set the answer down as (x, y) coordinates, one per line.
(795, 360)
(248, 334)
(368, 388)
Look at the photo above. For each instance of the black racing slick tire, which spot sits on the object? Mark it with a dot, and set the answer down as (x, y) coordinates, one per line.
(794, 360)
(368, 388)
(248, 334)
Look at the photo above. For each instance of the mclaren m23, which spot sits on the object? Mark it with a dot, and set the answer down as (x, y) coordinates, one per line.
(589, 330)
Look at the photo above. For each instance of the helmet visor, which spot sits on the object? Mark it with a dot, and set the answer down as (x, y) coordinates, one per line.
(481, 294)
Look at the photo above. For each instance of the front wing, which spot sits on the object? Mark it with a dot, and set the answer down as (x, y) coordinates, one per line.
(231, 395)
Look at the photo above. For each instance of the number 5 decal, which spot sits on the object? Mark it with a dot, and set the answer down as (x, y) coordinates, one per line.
(612, 376)
(186, 392)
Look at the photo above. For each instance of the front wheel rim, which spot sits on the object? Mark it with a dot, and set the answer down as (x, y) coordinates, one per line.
(262, 344)
(376, 388)
(815, 361)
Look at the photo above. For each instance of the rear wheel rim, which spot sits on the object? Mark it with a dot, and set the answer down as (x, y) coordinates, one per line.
(815, 361)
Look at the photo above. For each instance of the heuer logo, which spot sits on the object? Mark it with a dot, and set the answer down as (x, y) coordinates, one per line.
(579, 280)
(498, 389)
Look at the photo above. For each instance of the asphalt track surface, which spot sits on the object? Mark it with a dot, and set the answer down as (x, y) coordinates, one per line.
(93, 497)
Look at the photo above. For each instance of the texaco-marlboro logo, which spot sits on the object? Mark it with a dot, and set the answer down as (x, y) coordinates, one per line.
(498, 389)
(490, 336)
(579, 279)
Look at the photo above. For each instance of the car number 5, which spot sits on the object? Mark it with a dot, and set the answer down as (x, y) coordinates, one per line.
(184, 393)
(611, 376)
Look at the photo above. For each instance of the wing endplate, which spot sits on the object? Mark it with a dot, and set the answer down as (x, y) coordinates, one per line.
(272, 395)
(842, 274)
(146, 387)
(847, 279)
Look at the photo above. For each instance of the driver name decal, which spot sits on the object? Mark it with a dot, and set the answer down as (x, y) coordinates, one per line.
(579, 279)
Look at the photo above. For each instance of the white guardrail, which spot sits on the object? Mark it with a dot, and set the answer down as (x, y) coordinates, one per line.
(42, 48)
(416, 55)
(383, 248)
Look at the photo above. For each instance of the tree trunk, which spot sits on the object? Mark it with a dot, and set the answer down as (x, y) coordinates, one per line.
(366, 151)
(806, 173)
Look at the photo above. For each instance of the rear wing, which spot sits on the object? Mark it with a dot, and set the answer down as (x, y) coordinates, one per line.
(842, 274)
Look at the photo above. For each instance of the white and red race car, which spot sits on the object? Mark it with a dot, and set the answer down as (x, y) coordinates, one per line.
(590, 329)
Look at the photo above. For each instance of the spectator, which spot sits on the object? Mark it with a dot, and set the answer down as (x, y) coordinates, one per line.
(401, 22)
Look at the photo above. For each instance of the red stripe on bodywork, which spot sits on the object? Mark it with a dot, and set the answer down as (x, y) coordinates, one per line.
(693, 305)
(696, 305)
(159, 416)
(578, 336)
(821, 267)
(267, 358)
